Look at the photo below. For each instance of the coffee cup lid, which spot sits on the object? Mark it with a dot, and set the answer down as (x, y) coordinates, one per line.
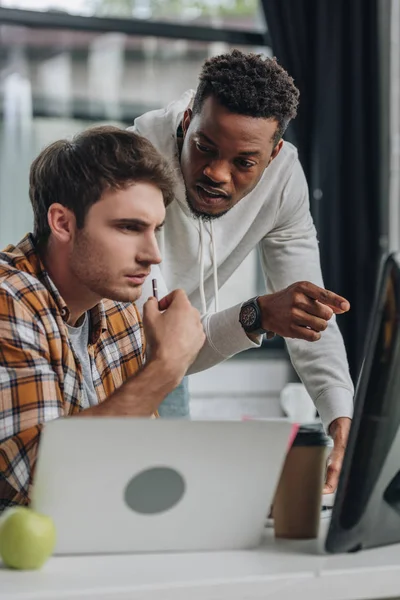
(311, 435)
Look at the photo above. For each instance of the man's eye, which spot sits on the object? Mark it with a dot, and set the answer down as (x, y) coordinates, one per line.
(129, 228)
(246, 164)
(202, 148)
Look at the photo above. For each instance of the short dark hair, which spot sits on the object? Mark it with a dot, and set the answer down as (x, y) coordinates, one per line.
(76, 173)
(249, 84)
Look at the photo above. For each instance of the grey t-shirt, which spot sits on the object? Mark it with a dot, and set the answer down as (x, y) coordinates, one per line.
(79, 337)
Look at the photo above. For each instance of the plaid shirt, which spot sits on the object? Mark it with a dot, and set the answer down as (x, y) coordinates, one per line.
(40, 375)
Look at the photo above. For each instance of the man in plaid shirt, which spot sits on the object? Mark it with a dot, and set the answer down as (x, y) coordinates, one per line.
(71, 339)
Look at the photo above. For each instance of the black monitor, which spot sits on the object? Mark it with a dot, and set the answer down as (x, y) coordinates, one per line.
(366, 512)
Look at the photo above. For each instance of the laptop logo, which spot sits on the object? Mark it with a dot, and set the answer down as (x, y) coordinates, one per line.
(154, 490)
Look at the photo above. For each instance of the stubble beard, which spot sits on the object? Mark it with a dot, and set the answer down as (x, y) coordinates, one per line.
(87, 266)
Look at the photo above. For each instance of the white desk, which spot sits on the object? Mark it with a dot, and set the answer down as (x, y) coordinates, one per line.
(277, 570)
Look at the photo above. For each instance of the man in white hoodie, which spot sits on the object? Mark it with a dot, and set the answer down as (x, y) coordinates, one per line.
(241, 186)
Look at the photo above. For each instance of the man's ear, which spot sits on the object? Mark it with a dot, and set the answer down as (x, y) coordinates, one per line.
(276, 151)
(187, 117)
(62, 222)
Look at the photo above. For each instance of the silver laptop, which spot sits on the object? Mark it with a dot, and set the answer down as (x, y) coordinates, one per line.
(154, 485)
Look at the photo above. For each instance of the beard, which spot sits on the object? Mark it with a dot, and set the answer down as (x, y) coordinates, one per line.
(91, 271)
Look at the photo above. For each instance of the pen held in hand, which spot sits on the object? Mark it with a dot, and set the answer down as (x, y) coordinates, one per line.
(155, 289)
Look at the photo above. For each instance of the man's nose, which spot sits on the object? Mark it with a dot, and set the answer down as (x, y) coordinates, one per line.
(218, 171)
(150, 252)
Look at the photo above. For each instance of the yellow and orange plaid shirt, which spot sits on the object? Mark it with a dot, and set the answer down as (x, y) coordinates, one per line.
(40, 377)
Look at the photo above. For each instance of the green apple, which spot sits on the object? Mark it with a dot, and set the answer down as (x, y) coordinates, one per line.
(27, 538)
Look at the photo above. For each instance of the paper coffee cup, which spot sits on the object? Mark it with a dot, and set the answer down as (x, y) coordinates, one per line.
(297, 501)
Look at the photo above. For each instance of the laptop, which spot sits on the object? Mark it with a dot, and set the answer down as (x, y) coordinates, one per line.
(154, 485)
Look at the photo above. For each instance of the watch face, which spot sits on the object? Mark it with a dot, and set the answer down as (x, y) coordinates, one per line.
(248, 316)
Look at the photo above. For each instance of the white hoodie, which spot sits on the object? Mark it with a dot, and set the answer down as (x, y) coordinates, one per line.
(200, 256)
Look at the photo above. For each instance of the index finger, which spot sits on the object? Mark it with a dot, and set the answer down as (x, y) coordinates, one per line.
(337, 303)
(332, 480)
(150, 308)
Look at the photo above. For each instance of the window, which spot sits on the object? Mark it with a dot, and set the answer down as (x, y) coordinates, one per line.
(235, 14)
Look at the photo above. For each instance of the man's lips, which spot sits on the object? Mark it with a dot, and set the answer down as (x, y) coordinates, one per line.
(137, 278)
(211, 197)
(212, 190)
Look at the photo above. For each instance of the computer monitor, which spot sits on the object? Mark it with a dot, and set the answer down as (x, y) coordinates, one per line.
(366, 511)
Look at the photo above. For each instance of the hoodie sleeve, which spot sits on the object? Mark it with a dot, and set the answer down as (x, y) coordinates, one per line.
(289, 253)
(225, 337)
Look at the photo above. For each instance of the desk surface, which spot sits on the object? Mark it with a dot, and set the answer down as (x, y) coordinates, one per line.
(278, 569)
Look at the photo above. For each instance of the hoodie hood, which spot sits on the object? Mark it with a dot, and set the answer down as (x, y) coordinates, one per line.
(153, 126)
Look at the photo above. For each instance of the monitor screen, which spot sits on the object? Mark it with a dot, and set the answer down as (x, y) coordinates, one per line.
(366, 512)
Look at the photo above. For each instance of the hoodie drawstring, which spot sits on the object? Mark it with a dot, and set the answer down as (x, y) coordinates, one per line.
(215, 268)
(201, 287)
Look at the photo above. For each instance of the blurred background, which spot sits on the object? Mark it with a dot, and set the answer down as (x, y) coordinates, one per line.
(68, 64)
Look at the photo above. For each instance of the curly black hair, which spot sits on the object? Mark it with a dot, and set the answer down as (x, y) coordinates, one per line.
(249, 84)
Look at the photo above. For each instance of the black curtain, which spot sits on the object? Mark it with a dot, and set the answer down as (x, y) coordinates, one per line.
(330, 47)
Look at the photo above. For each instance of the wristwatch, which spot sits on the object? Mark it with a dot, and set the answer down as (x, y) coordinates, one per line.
(250, 318)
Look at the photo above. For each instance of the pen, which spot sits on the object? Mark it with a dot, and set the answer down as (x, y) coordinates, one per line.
(155, 290)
